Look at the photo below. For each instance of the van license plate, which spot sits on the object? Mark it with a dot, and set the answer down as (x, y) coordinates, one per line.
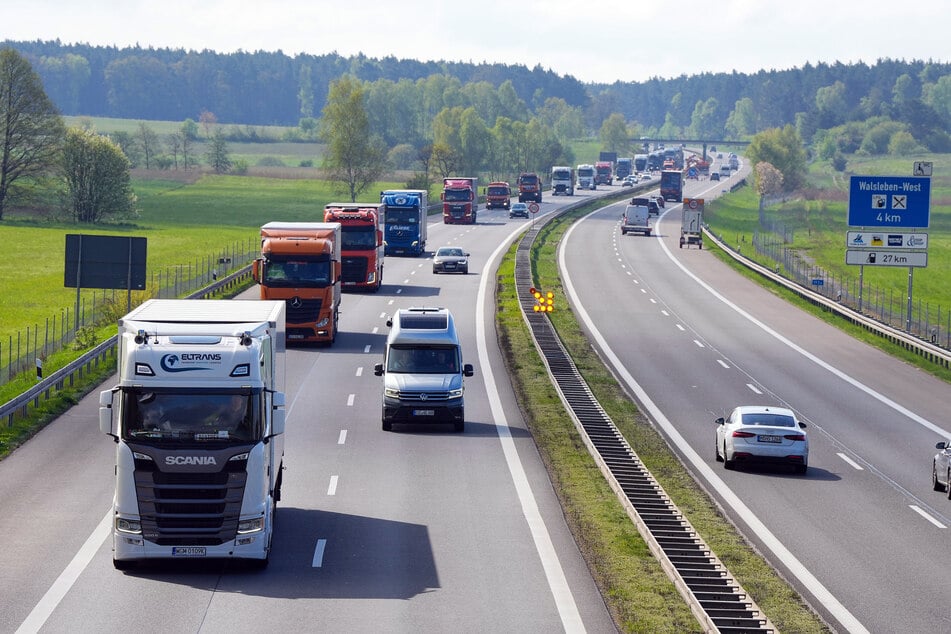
(188, 551)
(424, 412)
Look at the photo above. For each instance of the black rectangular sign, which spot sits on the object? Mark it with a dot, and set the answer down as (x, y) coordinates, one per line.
(94, 261)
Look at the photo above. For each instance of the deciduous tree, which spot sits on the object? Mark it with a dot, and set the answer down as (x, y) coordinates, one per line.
(783, 149)
(31, 129)
(96, 173)
(355, 158)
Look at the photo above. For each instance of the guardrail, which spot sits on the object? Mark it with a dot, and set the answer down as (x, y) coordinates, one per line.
(55, 382)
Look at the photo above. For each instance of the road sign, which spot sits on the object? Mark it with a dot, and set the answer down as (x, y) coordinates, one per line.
(866, 257)
(694, 203)
(818, 281)
(533, 208)
(889, 201)
(922, 168)
(886, 240)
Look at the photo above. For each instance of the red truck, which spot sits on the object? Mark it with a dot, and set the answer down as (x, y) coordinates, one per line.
(460, 200)
(498, 195)
(361, 256)
(603, 172)
(529, 187)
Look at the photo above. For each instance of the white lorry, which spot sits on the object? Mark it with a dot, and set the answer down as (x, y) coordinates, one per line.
(691, 224)
(198, 420)
(636, 219)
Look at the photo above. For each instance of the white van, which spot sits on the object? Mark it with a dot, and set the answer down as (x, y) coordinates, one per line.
(422, 370)
(725, 172)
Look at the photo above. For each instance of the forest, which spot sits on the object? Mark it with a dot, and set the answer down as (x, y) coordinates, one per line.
(835, 107)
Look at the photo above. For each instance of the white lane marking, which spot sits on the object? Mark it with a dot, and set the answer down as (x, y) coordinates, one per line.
(754, 389)
(653, 301)
(681, 328)
(360, 371)
(698, 343)
(375, 330)
(319, 553)
(332, 489)
(406, 281)
(665, 313)
(850, 462)
(342, 438)
(770, 540)
(400, 290)
(926, 515)
(390, 303)
(42, 610)
(382, 315)
(554, 573)
(350, 400)
(366, 349)
(723, 363)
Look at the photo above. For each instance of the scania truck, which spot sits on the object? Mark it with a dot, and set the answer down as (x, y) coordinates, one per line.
(300, 264)
(198, 419)
(460, 200)
(405, 225)
(361, 249)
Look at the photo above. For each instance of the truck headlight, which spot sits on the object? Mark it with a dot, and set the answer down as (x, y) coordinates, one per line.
(323, 322)
(124, 525)
(250, 526)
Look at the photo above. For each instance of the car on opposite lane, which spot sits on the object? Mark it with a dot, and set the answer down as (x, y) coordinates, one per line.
(450, 260)
(765, 434)
(941, 468)
(519, 209)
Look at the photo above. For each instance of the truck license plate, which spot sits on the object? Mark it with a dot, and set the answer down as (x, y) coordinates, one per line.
(424, 412)
(188, 551)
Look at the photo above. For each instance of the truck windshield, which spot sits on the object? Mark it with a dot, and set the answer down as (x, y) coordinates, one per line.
(560, 175)
(498, 191)
(358, 237)
(458, 195)
(423, 359)
(191, 416)
(287, 272)
(401, 216)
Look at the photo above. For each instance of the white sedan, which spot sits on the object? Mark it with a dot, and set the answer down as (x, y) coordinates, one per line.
(757, 433)
(941, 468)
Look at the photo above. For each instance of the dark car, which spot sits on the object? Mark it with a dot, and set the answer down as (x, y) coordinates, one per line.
(450, 260)
(715, 176)
(518, 209)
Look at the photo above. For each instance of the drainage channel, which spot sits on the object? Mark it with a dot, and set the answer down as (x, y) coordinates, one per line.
(716, 599)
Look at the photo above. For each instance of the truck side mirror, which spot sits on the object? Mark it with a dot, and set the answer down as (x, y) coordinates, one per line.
(278, 413)
(467, 370)
(105, 414)
(378, 369)
(256, 270)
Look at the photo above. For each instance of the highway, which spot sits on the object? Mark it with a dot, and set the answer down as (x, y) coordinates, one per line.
(862, 535)
(416, 530)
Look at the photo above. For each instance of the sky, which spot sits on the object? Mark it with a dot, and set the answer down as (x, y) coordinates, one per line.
(594, 41)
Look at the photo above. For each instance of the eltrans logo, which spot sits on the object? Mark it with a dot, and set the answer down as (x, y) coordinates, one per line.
(189, 361)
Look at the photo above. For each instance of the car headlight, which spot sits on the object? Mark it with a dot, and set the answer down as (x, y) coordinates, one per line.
(463, 261)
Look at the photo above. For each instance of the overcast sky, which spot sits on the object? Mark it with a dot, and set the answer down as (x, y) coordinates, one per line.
(592, 40)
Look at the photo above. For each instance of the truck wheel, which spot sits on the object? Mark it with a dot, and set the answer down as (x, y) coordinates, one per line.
(700, 245)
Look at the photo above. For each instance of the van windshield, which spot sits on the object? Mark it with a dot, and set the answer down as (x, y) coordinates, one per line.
(423, 359)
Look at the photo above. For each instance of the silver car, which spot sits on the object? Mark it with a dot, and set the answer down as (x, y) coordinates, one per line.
(941, 468)
(450, 260)
(758, 433)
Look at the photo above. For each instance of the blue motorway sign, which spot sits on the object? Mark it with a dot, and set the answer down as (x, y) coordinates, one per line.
(889, 201)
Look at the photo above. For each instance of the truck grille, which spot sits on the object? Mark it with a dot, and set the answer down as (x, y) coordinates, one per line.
(190, 508)
(300, 310)
(354, 269)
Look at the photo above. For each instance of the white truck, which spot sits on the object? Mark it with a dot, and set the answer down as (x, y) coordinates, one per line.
(198, 419)
(562, 180)
(636, 219)
(585, 174)
(691, 224)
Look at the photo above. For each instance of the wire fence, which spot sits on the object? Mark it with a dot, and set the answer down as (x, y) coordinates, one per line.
(924, 320)
(73, 325)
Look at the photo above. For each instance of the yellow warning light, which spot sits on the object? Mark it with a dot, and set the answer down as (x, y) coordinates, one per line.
(544, 301)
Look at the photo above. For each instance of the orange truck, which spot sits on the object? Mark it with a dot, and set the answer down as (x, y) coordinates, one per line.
(498, 195)
(362, 243)
(460, 200)
(529, 187)
(300, 264)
